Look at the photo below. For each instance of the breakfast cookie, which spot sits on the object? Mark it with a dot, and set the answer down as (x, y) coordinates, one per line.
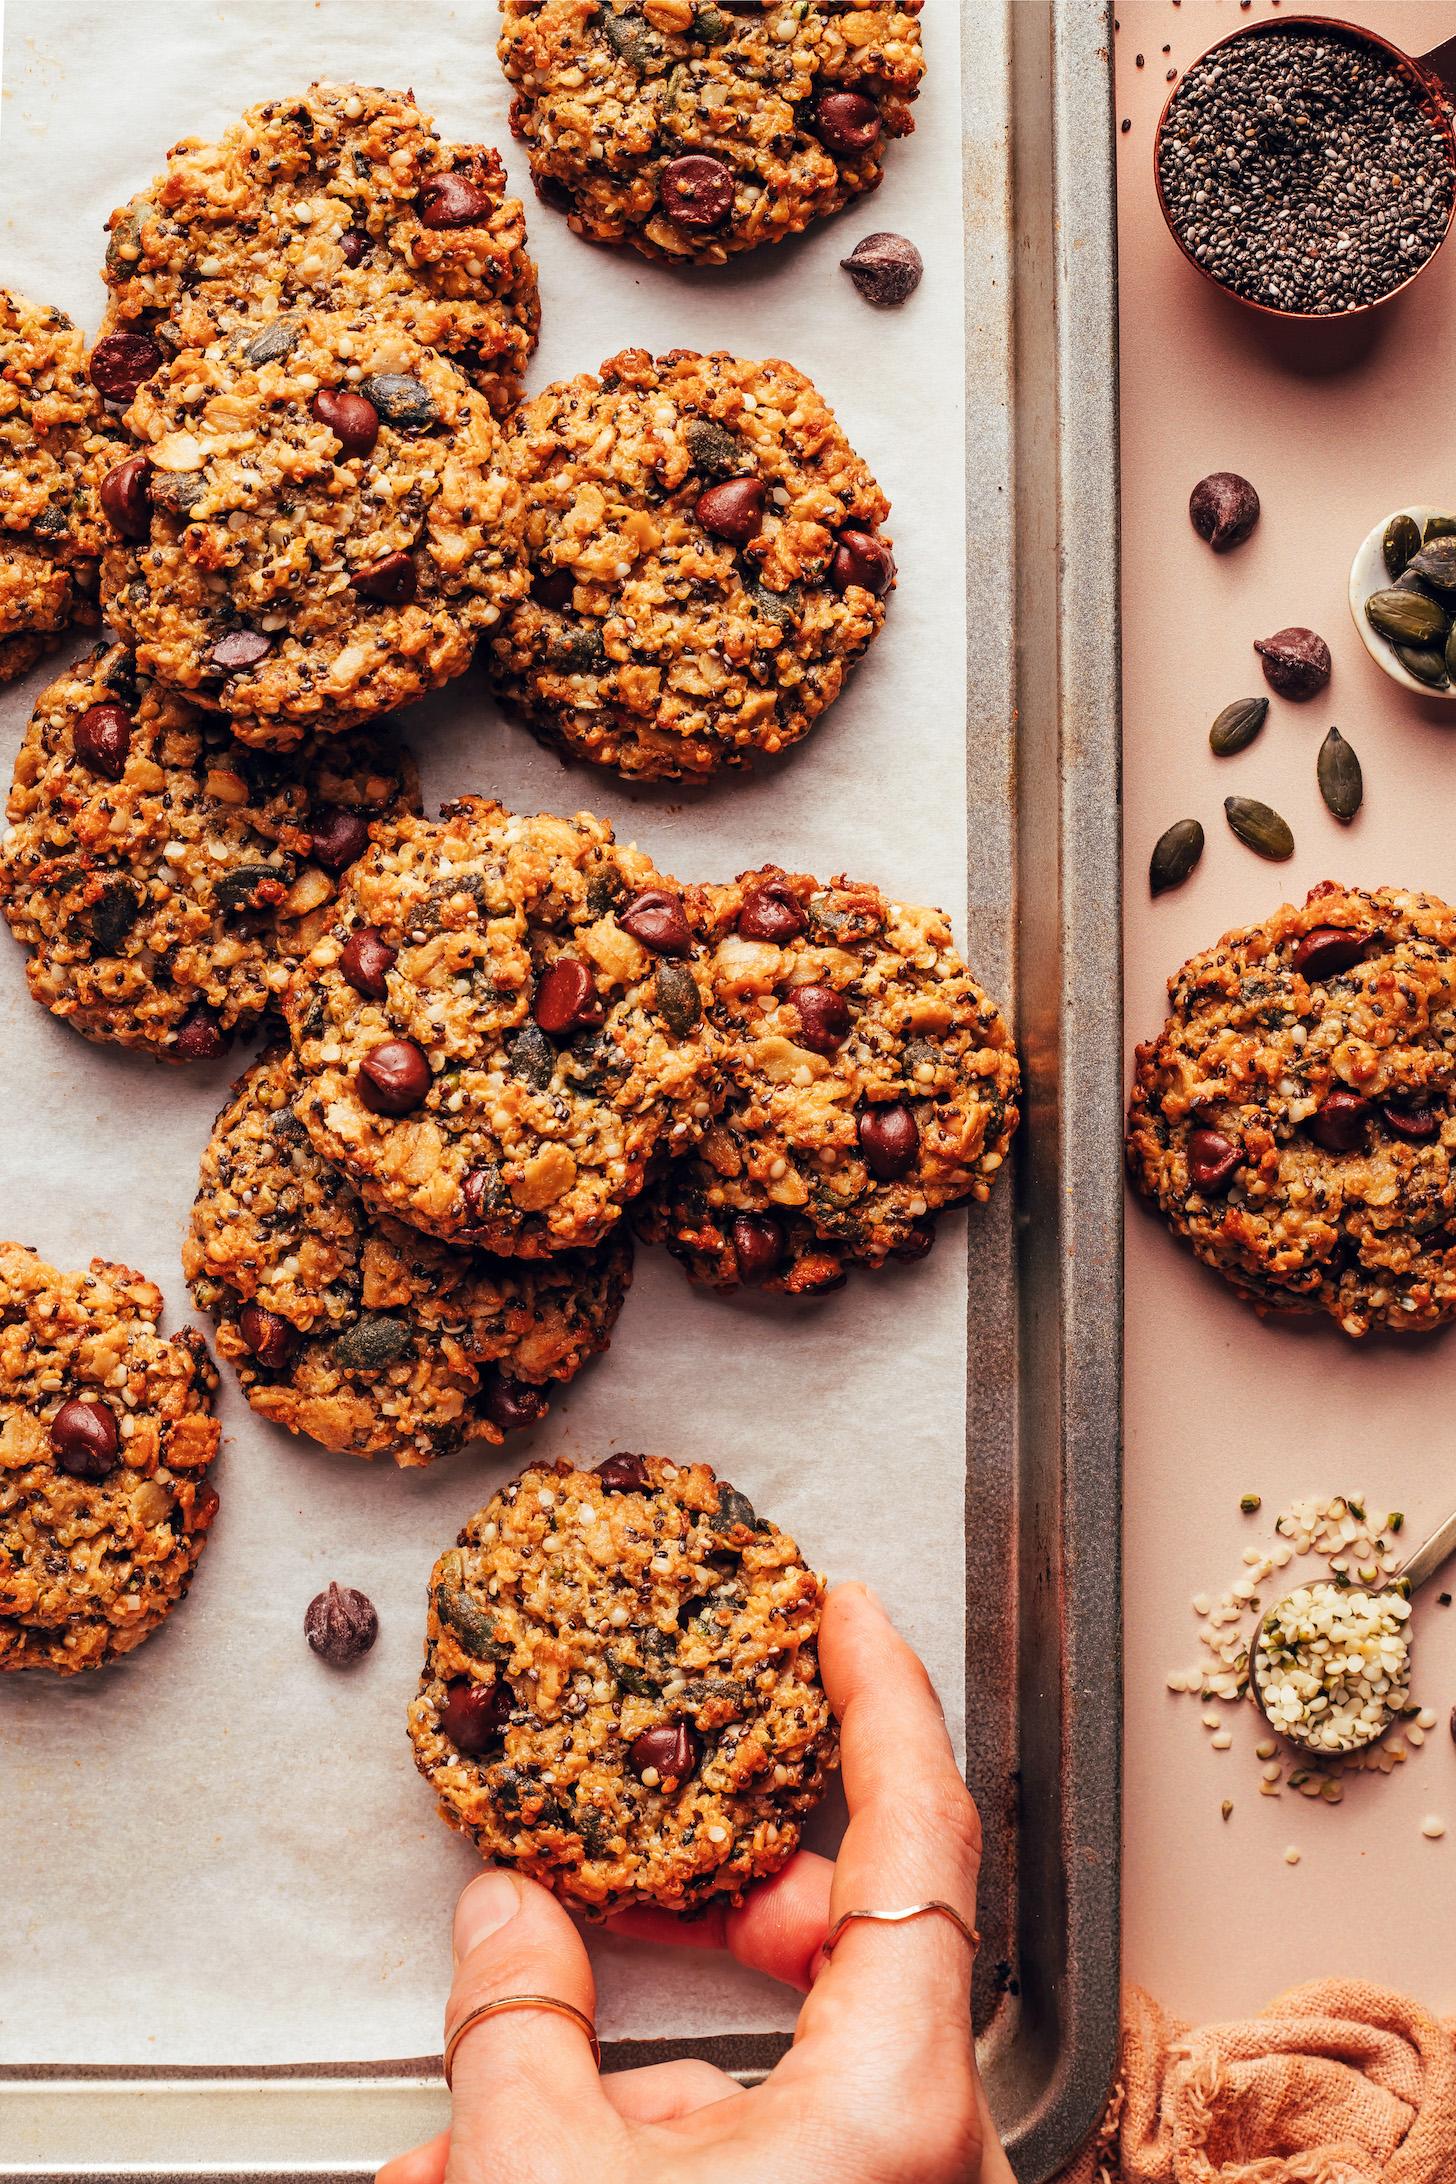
(316, 527)
(105, 1440)
(1295, 1118)
(49, 540)
(621, 1692)
(870, 1084)
(704, 558)
(364, 1334)
(693, 129)
(504, 1028)
(165, 877)
(341, 200)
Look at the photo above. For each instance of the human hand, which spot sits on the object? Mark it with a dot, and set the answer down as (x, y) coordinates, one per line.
(880, 2085)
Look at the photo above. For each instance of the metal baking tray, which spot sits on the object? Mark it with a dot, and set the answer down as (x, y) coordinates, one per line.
(1043, 1489)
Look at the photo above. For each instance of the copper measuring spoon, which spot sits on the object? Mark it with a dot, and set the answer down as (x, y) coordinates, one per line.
(1433, 75)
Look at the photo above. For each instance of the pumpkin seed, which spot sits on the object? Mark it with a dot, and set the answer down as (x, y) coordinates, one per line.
(374, 1341)
(1450, 659)
(713, 447)
(1237, 725)
(1175, 853)
(473, 1628)
(532, 1057)
(401, 401)
(1439, 527)
(1259, 828)
(710, 27)
(1436, 564)
(1426, 662)
(113, 914)
(1406, 618)
(1402, 539)
(237, 890)
(677, 996)
(1338, 772)
(274, 341)
(631, 40)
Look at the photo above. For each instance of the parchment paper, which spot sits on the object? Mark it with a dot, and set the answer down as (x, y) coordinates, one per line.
(218, 1850)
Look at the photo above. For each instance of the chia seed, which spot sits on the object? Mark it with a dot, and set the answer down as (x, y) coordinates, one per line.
(1302, 169)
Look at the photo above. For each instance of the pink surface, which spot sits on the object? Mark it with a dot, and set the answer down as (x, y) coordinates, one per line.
(1334, 430)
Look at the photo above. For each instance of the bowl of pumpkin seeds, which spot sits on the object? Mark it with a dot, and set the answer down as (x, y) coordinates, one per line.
(1403, 598)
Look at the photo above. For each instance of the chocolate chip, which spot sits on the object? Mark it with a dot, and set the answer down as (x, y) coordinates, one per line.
(655, 917)
(352, 245)
(823, 1018)
(889, 1138)
(480, 1194)
(393, 1077)
(390, 582)
(126, 498)
(120, 363)
(474, 1716)
(340, 1625)
(1326, 949)
(758, 1246)
(553, 588)
(861, 558)
(566, 998)
(774, 913)
(240, 649)
(671, 1750)
(351, 418)
(696, 191)
(101, 739)
(1417, 1125)
(85, 1439)
(1296, 662)
(845, 122)
(732, 510)
(511, 1404)
(623, 1473)
(916, 1243)
(1338, 1124)
(199, 1038)
(452, 200)
(401, 401)
(1223, 509)
(338, 836)
(1212, 1159)
(885, 268)
(365, 961)
(271, 1339)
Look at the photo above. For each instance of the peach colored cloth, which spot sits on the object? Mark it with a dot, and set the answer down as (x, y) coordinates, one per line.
(1337, 2082)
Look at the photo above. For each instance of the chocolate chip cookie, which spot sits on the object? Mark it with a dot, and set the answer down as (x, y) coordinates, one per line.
(342, 199)
(1294, 1120)
(315, 526)
(106, 1434)
(706, 564)
(621, 1690)
(165, 877)
(363, 1334)
(693, 129)
(504, 1028)
(49, 539)
(870, 1084)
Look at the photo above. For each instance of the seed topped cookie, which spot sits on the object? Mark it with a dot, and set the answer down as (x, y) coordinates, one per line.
(504, 1028)
(341, 199)
(871, 1083)
(621, 1692)
(163, 876)
(693, 129)
(49, 541)
(106, 1434)
(364, 1334)
(1294, 1120)
(315, 527)
(705, 563)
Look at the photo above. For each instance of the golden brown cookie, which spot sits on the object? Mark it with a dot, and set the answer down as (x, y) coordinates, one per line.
(621, 1692)
(106, 1434)
(1294, 1119)
(705, 559)
(49, 426)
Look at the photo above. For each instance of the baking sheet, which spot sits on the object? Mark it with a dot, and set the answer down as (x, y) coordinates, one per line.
(218, 1829)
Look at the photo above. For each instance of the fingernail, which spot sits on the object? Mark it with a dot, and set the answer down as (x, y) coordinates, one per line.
(489, 1903)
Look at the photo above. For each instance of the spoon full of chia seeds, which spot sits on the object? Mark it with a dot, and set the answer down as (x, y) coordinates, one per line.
(1329, 1667)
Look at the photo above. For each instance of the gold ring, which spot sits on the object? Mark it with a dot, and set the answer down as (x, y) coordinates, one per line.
(897, 1918)
(521, 2002)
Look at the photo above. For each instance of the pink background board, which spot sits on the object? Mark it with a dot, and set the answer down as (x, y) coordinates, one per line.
(1334, 429)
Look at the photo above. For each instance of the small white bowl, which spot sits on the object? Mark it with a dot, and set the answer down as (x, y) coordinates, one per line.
(1368, 574)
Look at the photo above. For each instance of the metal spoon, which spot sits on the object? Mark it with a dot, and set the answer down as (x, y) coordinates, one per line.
(1423, 1564)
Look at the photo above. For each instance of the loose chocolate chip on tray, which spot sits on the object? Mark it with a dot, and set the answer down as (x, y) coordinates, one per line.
(885, 268)
(1223, 509)
(340, 1625)
(1296, 662)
